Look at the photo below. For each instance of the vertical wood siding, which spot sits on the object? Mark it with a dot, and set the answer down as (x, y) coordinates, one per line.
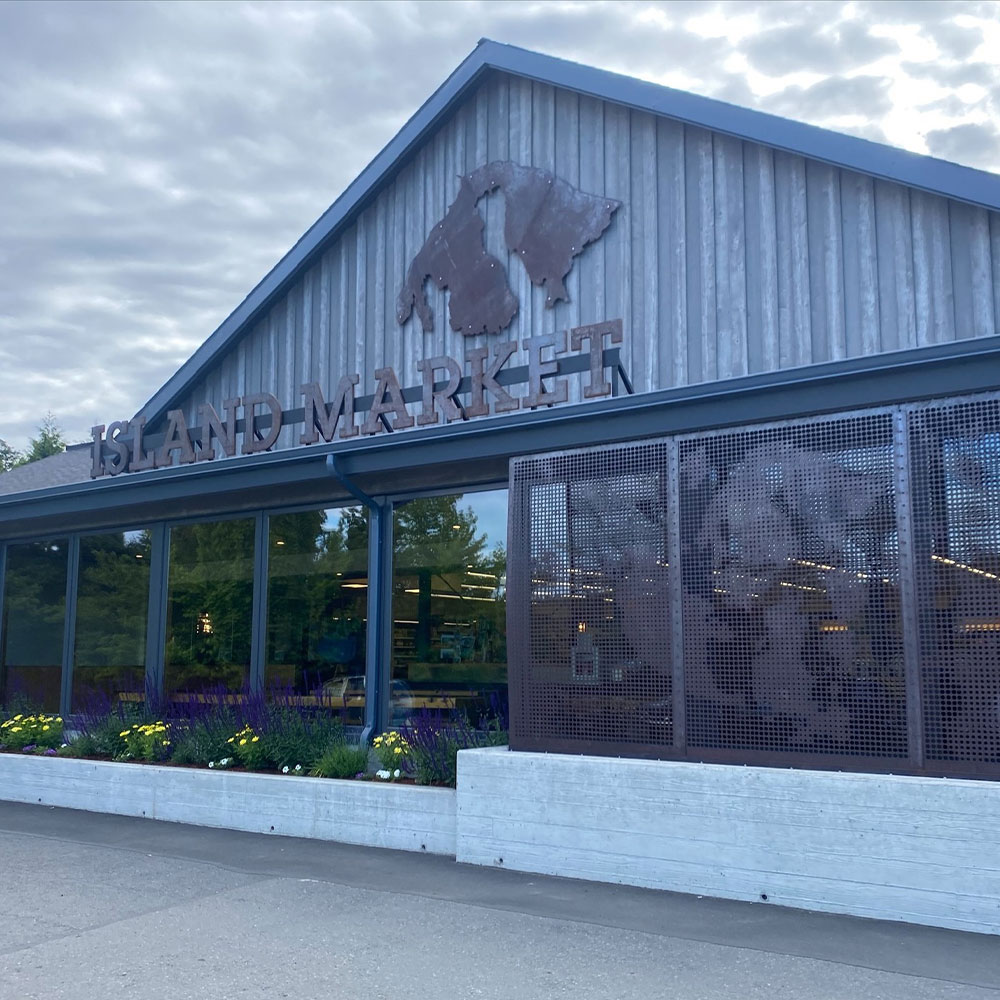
(726, 258)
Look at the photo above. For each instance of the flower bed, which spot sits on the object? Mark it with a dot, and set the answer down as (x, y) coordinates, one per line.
(256, 734)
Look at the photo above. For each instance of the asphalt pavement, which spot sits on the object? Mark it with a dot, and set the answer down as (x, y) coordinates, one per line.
(94, 907)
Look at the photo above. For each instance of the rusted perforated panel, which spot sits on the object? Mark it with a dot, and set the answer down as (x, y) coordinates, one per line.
(792, 637)
(955, 456)
(820, 592)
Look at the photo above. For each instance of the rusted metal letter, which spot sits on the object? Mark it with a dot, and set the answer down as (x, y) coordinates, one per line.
(140, 458)
(485, 379)
(593, 336)
(388, 399)
(119, 460)
(537, 395)
(176, 439)
(251, 443)
(225, 433)
(97, 452)
(319, 420)
(446, 396)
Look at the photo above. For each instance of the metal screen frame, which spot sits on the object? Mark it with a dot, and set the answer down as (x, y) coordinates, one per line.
(892, 709)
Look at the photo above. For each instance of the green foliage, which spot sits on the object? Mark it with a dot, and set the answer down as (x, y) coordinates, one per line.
(101, 738)
(248, 749)
(31, 730)
(149, 741)
(341, 761)
(204, 741)
(50, 441)
(293, 738)
(392, 751)
(9, 457)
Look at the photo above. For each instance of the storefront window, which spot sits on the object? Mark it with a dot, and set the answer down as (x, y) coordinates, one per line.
(209, 608)
(449, 637)
(111, 610)
(317, 607)
(34, 612)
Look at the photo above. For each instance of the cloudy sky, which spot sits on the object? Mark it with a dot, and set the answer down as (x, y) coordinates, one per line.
(156, 159)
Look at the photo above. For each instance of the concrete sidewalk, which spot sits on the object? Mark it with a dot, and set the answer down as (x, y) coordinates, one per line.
(99, 906)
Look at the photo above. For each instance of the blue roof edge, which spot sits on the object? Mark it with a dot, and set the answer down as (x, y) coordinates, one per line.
(915, 170)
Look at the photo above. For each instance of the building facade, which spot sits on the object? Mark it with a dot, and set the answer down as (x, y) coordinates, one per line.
(682, 418)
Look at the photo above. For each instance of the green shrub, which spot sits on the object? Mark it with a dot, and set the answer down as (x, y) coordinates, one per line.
(203, 741)
(248, 749)
(101, 738)
(150, 741)
(341, 761)
(31, 730)
(291, 738)
(392, 751)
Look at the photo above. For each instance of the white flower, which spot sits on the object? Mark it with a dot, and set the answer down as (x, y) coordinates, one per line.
(383, 774)
(225, 761)
(298, 767)
(211, 763)
(284, 770)
(395, 773)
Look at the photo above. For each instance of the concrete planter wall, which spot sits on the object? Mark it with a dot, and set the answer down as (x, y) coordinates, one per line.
(404, 817)
(923, 850)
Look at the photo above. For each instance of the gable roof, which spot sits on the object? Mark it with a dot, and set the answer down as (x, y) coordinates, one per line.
(926, 173)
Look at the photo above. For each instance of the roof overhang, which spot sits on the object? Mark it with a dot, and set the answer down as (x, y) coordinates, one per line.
(464, 455)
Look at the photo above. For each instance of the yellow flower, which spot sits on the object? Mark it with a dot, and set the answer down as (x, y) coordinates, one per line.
(45, 729)
(255, 739)
(243, 743)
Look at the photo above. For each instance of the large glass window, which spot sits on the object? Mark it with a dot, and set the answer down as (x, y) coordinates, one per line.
(111, 610)
(34, 612)
(449, 636)
(317, 606)
(209, 608)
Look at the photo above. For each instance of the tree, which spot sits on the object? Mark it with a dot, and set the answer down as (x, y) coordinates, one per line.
(50, 441)
(9, 457)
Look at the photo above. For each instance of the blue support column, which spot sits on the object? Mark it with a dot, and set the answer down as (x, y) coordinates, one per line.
(69, 624)
(156, 618)
(3, 597)
(378, 646)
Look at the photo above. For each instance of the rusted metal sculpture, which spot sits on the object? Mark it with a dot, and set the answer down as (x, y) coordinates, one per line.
(548, 223)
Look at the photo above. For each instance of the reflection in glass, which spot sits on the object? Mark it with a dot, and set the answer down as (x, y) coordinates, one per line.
(111, 608)
(209, 607)
(317, 608)
(449, 636)
(34, 611)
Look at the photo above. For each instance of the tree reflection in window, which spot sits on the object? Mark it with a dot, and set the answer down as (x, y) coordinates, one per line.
(449, 635)
(34, 612)
(317, 608)
(209, 607)
(111, 610)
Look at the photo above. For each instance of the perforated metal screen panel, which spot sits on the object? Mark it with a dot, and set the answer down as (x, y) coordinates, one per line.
(955, 458)
(820, 592)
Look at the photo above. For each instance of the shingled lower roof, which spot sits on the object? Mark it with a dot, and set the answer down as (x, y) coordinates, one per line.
(72, 466)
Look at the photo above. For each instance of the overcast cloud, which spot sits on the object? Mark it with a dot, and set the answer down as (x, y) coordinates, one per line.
(156, 160)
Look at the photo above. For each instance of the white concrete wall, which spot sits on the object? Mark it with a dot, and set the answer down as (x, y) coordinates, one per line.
(923, 850)
(403, 817)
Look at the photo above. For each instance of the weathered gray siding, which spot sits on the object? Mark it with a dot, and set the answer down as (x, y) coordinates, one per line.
(727, 257)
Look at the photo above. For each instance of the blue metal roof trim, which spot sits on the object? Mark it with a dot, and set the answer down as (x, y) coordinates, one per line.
(926, 173)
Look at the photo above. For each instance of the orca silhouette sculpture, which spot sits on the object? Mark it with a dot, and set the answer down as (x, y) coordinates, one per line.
(548, 223)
